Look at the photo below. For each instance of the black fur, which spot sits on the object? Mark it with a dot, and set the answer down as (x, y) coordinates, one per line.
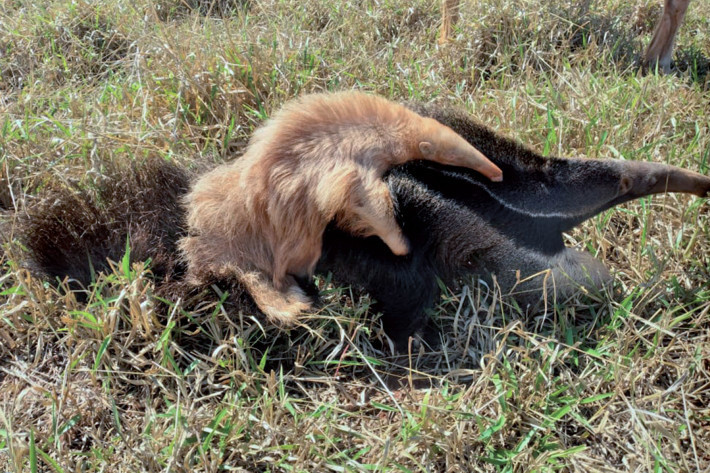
(457, 222)
(460, 223)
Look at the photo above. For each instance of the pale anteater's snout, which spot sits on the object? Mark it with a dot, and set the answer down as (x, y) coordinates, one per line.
(471, 157)
(462, 153)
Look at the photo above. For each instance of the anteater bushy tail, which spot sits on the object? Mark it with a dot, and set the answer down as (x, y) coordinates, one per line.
(74, 230)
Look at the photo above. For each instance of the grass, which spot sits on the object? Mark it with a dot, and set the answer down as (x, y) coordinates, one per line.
(622, 384)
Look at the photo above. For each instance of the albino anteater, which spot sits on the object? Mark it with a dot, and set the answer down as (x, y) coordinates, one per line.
(456, 223)
(320, 158)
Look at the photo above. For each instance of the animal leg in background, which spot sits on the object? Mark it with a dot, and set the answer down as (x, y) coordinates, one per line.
(449, 17)
(660, 49)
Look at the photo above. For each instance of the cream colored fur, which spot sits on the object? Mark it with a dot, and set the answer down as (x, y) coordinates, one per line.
(321, 158)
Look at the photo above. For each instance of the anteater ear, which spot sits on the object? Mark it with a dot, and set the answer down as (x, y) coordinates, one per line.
(428, 150)
(625, 185)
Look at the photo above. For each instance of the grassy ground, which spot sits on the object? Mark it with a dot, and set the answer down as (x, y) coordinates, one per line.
(619, 385)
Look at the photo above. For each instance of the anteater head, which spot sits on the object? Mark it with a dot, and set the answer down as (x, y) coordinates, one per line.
(639, 179)
(441, 144)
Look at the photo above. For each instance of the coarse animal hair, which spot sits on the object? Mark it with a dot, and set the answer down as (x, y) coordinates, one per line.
(457, 224)
(321, 158)
(73, 230)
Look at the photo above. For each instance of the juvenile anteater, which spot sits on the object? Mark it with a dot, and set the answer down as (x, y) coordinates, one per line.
(321, 158)
(456, 223)
(459, 224)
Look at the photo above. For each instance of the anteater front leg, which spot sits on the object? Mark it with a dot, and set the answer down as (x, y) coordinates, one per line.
(370, 211)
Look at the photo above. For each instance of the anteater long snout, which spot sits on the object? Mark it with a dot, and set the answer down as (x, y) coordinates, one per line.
(640, 178)
(468, 156)
(481, 164)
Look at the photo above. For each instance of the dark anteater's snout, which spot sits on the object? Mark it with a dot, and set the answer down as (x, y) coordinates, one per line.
(639, 179)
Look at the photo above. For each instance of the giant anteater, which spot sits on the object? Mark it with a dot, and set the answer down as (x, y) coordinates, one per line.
(456, 221)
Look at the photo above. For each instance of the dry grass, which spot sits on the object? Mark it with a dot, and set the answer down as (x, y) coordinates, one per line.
(122, 383)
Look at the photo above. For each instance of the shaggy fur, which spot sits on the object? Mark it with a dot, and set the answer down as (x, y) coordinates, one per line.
(74, 231)
(320, 159)
(457, 224)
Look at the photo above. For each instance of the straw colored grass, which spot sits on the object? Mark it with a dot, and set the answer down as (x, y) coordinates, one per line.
(121, 381)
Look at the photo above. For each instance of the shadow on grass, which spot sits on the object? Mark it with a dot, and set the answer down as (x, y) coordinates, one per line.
(344, 343)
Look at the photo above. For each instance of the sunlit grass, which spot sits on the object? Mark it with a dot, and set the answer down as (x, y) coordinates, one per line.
(116, 379)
